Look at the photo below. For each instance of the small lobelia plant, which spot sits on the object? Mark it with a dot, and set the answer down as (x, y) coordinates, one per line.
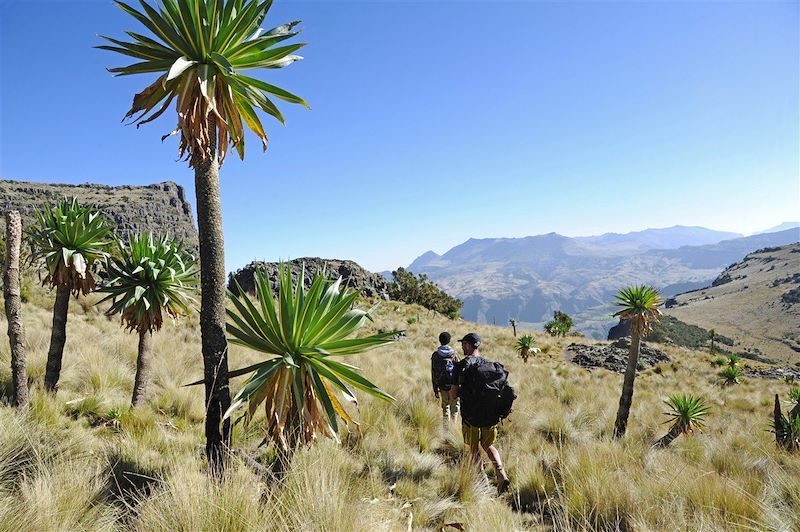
(731, 375)
(67, 242)
(719, 361)
(687, 414)
(787, 428)
(298, 384)
(734, 360)
(525, 346)
(794, 395)
(147, 276)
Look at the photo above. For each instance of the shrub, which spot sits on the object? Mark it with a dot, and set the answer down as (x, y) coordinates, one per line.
(560, 325)
(420, 290)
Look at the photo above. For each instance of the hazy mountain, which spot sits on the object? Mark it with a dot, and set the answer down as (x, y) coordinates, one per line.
(782, 227)
(666, 238)
(528, 278)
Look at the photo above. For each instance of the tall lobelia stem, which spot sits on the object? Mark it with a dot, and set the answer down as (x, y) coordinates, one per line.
(58, 337)
(625, 400)
(212, 303)
(13, 304)
(143, 367)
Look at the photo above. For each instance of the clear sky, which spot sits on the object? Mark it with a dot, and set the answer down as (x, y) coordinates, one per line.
(433, 122)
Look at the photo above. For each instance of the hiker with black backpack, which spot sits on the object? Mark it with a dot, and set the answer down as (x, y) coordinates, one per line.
(443, 362)
(486, 399)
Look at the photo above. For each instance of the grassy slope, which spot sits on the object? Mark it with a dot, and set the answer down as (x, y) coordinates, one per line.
(749, 307)
(73, 462)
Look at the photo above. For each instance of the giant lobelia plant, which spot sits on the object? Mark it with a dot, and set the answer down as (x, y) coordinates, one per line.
(148, 277)
(302, 333)
(199, 50)
(67, 242)
(639, 304)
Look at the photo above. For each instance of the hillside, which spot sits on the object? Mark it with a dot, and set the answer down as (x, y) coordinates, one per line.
(755, 301)
(528, 278)
(84, 461)
(162, 207)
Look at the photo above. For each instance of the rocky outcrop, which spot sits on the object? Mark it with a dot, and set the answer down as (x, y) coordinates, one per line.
(775, 373)
(161, 208)
(368, 283)
(620, 330)
(613, 357)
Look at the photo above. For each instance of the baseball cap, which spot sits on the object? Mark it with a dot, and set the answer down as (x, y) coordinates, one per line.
(472, 339)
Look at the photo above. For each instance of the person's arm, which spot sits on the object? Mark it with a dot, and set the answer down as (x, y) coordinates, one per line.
(457, 369)
(433, 378)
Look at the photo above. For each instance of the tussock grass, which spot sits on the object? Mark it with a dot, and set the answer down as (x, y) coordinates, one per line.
(85, 461)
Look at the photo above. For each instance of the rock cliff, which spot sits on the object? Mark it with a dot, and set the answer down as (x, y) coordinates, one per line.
(160, 208)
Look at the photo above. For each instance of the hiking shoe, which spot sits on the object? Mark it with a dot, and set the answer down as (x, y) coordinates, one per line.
(502, 487)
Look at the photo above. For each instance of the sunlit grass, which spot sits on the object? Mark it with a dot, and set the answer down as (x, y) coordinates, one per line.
(84, 461)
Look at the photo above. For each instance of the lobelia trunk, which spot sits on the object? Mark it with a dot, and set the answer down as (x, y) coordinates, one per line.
(13, 303)
(58, 337)
(143, 367)
(621, 423)
(212, 306)
(674, 431)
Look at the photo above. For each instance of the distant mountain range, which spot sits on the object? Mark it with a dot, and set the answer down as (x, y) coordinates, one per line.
(528, 278)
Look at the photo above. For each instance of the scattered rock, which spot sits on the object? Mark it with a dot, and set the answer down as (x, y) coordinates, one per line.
(614, 357)
(370, 284)
(774, 373)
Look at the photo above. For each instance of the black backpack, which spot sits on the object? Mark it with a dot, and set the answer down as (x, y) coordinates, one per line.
(486, 395)
(443, 369)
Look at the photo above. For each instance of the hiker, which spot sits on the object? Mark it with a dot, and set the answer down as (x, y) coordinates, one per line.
(478, 383)
(442, 363)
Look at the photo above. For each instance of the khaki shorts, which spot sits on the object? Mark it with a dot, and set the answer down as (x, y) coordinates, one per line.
(485, 436)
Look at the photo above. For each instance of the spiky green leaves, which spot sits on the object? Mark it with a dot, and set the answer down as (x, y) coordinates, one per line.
(639, 303)
(730, 375)
(200, 48)
(687, 414)
(301, 331)
(149, 275)
(67, 241)
(525, 341)
(687, 411)
(525, 347)
(787, 428)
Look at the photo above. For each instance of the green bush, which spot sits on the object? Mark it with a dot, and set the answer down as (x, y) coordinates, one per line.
(420, 290)
(560, 325)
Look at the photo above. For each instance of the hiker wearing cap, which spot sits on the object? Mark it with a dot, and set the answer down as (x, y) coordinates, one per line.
(443, 362)
(479, 383)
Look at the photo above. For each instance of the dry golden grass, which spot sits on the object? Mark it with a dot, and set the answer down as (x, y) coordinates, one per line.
(84, 461)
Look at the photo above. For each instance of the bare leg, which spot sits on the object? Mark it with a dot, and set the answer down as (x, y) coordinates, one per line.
(500, 472)
(446, 410)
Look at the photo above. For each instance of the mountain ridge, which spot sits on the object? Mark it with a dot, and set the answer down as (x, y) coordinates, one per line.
(528, 278)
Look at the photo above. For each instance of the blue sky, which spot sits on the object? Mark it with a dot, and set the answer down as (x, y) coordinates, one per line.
(433, 122)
